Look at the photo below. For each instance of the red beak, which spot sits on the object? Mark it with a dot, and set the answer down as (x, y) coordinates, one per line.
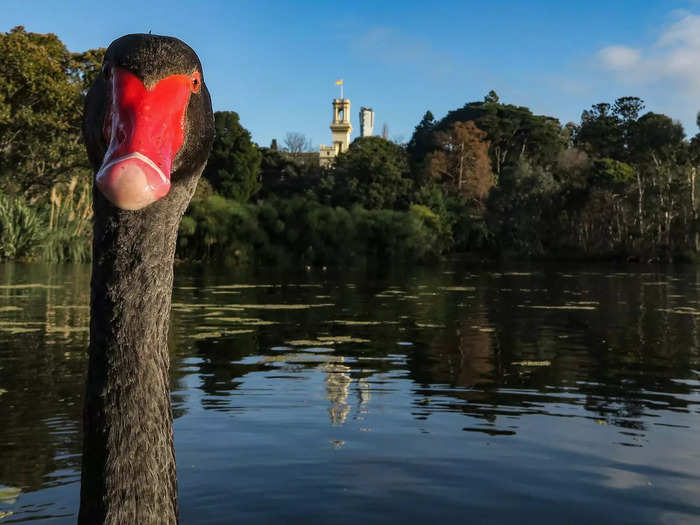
(145, 129)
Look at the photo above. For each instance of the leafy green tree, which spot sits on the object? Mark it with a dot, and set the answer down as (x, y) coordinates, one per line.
(284, 176)
(233, 168)
(692, 161)
(520, 209)
(655, 135)
(492, 96)
(606, 130)
(627, 109)
(656, 144)
(514, 132)
(373, 173)
(421, 143)
(41, 99)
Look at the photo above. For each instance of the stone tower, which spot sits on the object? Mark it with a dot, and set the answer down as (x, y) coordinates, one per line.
(366, 122)
(341, 127)
(340, 130)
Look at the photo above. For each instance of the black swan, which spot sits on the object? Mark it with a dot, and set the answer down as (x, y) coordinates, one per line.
(148, 129)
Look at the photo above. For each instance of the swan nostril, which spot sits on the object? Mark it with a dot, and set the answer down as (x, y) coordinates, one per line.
(121, 136)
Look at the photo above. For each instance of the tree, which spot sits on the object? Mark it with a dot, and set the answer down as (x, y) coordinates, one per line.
(520, 209)
(233, 168)
(513, 132)
(421, 143)
(41, 99)
(627, 109)
(462, 159)
(373, 173)
(283, 176)
(569, 132)
(491, 97)
(296, 143)
(656, 144)
(606, 129)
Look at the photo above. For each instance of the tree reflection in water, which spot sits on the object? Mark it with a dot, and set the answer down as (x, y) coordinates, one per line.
(520, 354)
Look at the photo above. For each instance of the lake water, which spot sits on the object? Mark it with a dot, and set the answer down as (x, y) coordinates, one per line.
(563, 394)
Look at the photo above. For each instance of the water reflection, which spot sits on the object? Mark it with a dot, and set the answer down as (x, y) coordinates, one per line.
(587, 383)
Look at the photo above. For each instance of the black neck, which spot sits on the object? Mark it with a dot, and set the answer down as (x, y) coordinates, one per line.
(129, 471)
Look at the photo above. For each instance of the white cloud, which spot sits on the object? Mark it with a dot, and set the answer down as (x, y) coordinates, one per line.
(619, 58)
(674, 58)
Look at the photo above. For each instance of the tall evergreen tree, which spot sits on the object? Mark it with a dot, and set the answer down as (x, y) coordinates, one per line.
(234, 164)
(421, 143)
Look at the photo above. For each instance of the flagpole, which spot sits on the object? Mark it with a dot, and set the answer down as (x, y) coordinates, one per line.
(341, 91)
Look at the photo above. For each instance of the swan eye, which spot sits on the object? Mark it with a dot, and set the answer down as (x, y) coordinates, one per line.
(196, 82)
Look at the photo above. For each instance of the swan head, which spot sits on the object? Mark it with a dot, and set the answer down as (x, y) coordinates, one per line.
(148, 119)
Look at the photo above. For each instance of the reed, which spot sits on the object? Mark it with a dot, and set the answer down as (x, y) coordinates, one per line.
(69, 219)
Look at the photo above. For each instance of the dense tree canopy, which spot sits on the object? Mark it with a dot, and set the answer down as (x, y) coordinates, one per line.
(41, 99)
(373, 173)
(233, 168)
(462, 159)
(514, 132)
(487, 176)
(422, 143)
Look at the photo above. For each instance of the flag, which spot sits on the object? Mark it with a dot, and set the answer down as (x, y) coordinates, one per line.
(339, 82)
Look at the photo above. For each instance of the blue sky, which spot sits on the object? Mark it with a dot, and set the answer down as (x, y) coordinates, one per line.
(275, 63)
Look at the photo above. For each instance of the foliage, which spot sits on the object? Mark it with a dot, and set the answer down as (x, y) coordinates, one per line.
(233, 168)
(300, 229)
(283, 176)
(518, 209)
(488, 177)
(462, 159)
(514, 132)
(219, 228)
(41, 98)
(374, 174)
(420, 145)
(22, 229)
(69, 231)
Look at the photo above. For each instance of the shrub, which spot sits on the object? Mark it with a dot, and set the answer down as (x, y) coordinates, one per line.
(22, 229)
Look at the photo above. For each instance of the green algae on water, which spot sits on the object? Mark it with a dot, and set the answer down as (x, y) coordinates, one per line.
(558, 307)
(219, 333)
(430, 325)
(29, 286)
(66, 329)
(327, 340)
(531, 363)
(17, 327)
(10, 309)
(240, 320)
(9, 494)
(282, 306)
(361, 323)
